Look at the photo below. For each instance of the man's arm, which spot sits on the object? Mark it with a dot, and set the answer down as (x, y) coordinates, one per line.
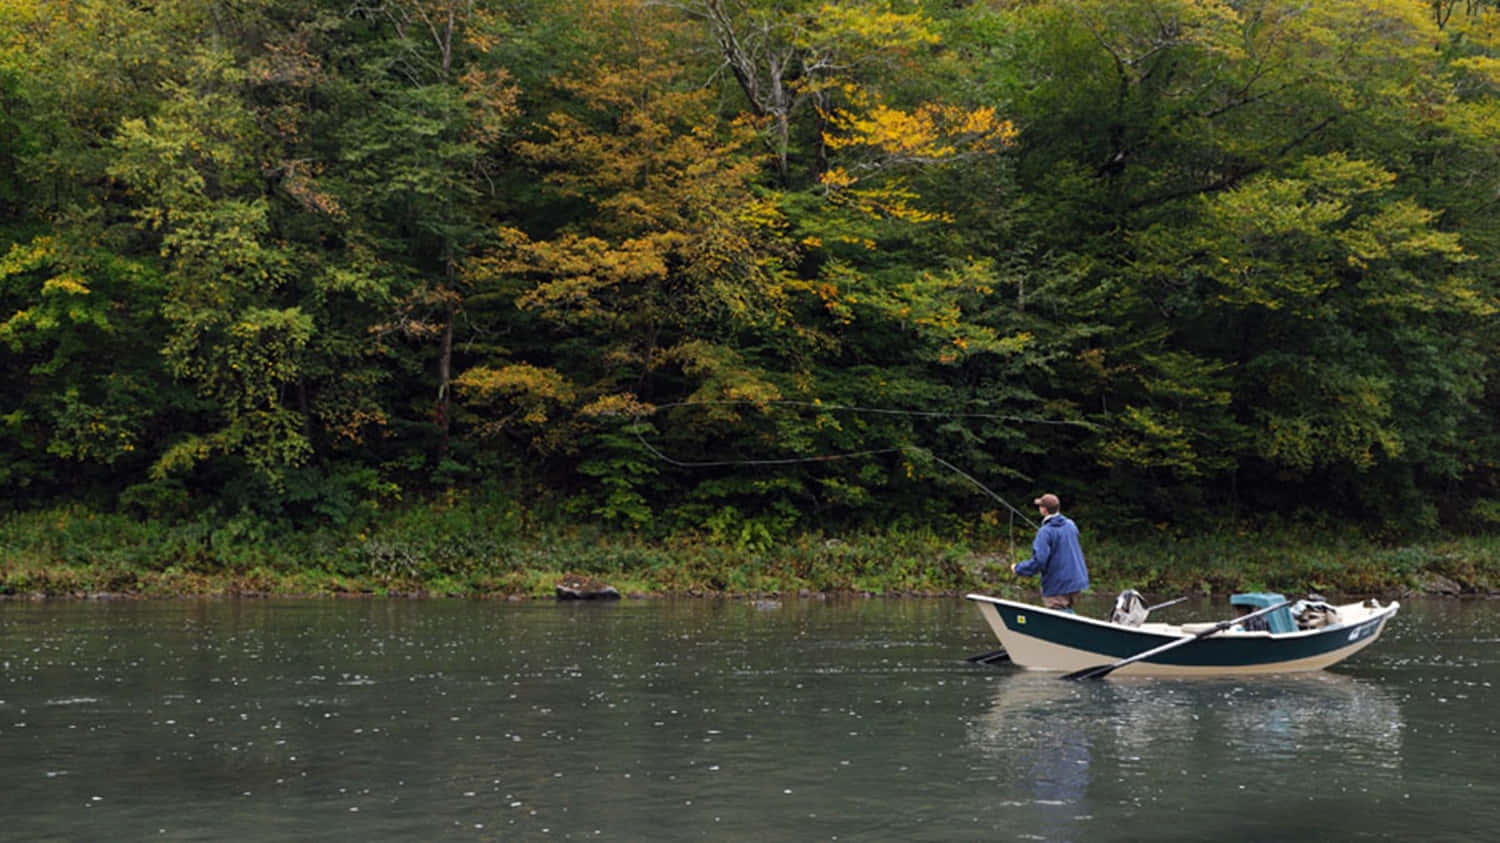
(1041, 551)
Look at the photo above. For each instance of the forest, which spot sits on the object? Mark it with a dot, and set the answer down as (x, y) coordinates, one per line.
(741, 272)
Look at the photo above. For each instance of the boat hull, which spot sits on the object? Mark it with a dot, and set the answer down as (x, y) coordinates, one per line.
(1044, 639)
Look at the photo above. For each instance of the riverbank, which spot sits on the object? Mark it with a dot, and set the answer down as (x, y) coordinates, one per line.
(475, 553)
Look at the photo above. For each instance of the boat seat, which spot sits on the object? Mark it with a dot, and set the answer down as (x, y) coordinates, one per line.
(1279, 621)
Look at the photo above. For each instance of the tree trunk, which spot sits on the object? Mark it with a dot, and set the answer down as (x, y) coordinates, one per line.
(445, 377)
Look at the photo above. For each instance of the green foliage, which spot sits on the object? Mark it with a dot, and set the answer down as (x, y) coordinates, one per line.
(492, 546)
(17, 138)
(620, 472)
(733, 271)
(83, 387)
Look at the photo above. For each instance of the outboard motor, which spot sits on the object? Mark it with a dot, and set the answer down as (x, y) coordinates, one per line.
(1130, 609)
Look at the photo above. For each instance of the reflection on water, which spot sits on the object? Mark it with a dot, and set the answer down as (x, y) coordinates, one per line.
(1287, 718)
(1033, 725)
(697, 720)
(1077, 741)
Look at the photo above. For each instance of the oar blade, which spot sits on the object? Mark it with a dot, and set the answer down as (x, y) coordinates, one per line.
(991, 657)
(1096, 672)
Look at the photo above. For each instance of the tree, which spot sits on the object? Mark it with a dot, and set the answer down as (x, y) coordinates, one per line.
(796, 60)
(671, 263)
(193, 168)
(415, 150)
(86, 394)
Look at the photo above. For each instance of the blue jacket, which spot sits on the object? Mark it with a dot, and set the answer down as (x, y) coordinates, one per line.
(1057, 555)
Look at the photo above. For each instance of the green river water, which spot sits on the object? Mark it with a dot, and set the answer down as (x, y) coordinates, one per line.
(712, 720)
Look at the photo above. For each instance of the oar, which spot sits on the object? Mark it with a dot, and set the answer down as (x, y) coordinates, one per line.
(1106, 669)
(991, 657)
(1166, 604)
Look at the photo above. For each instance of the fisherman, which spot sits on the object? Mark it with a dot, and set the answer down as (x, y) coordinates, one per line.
(1057, 556)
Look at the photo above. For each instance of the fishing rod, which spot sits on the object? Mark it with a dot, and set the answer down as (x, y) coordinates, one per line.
(854, 408)
(911, 450)
(961, 473)
(656, 452)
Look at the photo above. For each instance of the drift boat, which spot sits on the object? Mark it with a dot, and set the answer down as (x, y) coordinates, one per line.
(1278, 636)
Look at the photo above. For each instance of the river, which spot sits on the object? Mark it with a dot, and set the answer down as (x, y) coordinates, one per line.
(711, 720)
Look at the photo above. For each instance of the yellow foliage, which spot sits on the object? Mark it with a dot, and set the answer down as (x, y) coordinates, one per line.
(837, 177)
(483, 382)
(617, 404)
(1486, 68)
(880, 139)
(931, 134)
(68, 284)
(299, 180)
(528, 391)
(674, 209)
(877, 29)
(27, 256)
(480, 34)
(492, 98)
(351, 425)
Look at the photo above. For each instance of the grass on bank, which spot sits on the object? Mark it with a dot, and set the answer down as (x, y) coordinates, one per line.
(479, 551)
